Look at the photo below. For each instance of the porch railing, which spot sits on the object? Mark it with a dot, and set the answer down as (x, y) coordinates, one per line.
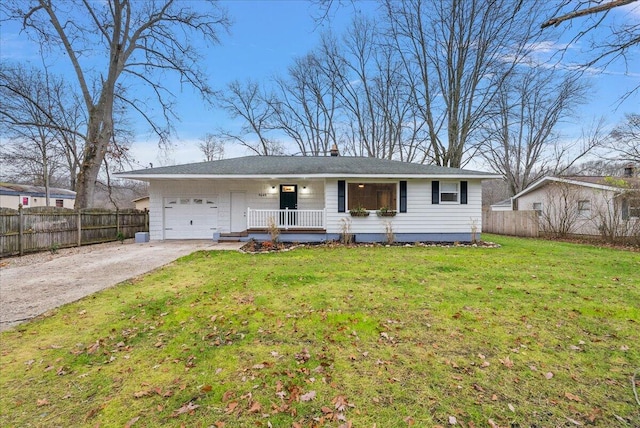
(286, 219)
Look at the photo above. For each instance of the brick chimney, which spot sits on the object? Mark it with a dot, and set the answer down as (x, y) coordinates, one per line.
(334, 150)
(629, 170)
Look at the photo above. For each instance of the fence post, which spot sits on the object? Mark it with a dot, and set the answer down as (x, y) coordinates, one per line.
(20, 230)
(79, 228)
(117, 222)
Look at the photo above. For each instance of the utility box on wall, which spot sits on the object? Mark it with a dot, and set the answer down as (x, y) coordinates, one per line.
(142, 237)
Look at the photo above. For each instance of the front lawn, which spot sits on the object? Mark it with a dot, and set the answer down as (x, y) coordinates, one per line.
(535, 333)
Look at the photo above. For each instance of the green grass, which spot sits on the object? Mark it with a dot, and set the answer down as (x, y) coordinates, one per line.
(534, 333)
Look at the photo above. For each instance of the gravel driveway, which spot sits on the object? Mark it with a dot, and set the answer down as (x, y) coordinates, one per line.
(36, 283)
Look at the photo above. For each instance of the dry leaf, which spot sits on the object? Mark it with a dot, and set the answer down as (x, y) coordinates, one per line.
(573, 421)
(187, 408)
(548, 375)
(572, 397)
(43, 402)
(409, 420)
(453, 420)
(308, 396)
(513, 409)
(131, 422)
(255, 407)
(492, 424)
(507, 362)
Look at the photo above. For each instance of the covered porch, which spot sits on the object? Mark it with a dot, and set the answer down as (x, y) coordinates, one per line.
(286, 219)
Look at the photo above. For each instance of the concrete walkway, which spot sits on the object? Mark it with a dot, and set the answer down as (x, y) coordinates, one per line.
(47, 283)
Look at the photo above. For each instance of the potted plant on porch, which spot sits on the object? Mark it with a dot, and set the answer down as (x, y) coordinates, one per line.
(386, 212)
(359, 211)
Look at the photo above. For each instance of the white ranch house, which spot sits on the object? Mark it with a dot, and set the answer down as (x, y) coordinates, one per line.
(309, 199)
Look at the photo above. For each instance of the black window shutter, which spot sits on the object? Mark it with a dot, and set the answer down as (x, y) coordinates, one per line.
(341, 196)
(463, 192)
(403, 196)
(435, 192)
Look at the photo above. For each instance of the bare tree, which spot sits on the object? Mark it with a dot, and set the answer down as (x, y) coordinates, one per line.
(139, 41)
(625, 139)
(457, 54)
(305, 106)
(30, 120)
(617, 39)
(247, 102)
(212, 147)
(521, 140)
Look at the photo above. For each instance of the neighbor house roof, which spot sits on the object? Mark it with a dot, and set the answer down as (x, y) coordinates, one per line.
(593, 182)
(303, 167)
(36, 191)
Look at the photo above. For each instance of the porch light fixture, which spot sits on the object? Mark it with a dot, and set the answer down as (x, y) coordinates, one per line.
(273, 187)
(361, 185)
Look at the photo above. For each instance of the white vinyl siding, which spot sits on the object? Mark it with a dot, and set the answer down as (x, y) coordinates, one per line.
(259, 195)
(421, 215)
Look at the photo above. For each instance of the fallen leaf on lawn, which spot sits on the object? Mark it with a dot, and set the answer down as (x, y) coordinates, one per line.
(227, 396)
(572, 397)
(492, 424)
(141, 394)
(573, 421)
(624, 348)
(494, 397)
(255, 407)
(219, 424)
(575, 348)
(43, 402)
(453, 420)
(206, 388)
(131, 422)
(308, 396)
(231, 406)
(507, 362)
(187, 408)
(409, 420)
(513, 409)
(485, 364)
(548, 375)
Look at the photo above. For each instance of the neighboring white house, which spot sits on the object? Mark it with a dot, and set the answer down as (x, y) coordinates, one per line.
(13, 195)
(584, 205)
(310, 198)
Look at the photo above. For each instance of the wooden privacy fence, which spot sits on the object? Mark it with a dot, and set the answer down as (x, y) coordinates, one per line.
(516, 223)
(37, 229)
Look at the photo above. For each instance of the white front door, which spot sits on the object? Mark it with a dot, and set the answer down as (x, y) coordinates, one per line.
(190, 218)
(238, 212)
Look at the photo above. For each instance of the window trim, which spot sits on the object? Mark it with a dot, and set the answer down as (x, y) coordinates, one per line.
(584, 212)
(457, 192)
(538, 211)
(634, 205)
(396, 195)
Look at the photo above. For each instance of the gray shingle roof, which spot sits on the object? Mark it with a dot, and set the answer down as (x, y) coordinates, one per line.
(38, 191)
(302, 166)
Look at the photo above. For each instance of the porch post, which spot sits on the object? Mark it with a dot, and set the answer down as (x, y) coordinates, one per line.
(286, 218)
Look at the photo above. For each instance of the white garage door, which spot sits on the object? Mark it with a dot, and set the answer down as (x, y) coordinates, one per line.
(190, 218)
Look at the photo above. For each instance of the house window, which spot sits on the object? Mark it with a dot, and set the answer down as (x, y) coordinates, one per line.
(634, 208)
(449, 191)
(584, 208)
(372, 196)
(537, 207)
(59, 203)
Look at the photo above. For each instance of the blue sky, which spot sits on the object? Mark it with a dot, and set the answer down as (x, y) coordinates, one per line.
(267, 35)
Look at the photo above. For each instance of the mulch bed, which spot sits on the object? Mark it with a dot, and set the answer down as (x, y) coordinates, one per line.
(257, 247)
